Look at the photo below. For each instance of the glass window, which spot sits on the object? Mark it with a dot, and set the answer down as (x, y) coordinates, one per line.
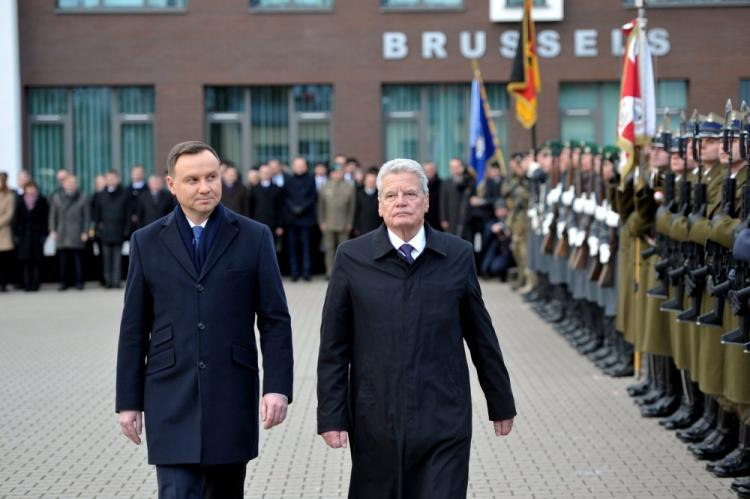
(431, 122)
(671, 98)
(290, 4)
(422, 4)
(588, 111)
(251, 126)
(744, 93)
(121, 4)
(89, 130)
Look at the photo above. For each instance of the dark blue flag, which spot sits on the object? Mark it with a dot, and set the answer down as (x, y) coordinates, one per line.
(480, 137)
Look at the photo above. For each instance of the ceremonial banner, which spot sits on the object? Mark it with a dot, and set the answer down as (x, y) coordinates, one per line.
(524, 79)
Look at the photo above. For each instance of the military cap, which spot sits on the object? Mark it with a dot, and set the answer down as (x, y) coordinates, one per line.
(736, 119)
(611, 154)
(554, 147)
(688, 127)
(572, 144)
(710, 127)
(590, 148)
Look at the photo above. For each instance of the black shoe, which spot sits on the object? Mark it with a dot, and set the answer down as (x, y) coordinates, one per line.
(743, 492)
(685, 416)
(741, 482)
(696, 432)
(639, 389)
(649, 398)
(661, 408)
(307, 278)
(734, 464)
(62, 287)
(624, 369)
(295, 278)
(79, 287)
(715, 446)
(531, 296)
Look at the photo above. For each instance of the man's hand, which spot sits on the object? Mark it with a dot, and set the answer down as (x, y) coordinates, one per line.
(322, 227)
(131, 424)
(336, 439)
(444, 224)
(53, 235)
(272, 410)
(502, 428)
(279, 231)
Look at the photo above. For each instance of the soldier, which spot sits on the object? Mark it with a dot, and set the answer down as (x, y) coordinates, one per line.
(517, 195)
(336, 205)
(532, 291)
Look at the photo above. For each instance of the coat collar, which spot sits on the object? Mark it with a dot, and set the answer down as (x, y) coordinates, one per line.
(381, 245)
(170, 234)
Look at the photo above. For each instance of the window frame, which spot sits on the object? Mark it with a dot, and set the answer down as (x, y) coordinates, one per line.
(244, 118)
(103, 10)
(291, 9)
(421, 6)
(118, 119)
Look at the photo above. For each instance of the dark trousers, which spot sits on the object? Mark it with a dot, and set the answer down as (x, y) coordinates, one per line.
(6, 264)
(30, 273)
(193, 481)
(112, 257)
(63, 257)
(496, 259)
(299, 236)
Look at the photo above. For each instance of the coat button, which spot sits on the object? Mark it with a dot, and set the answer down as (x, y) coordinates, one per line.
(201, 365)
(201, 326)
(200, 287)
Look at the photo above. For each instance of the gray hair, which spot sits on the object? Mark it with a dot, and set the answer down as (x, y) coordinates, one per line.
(402, 165)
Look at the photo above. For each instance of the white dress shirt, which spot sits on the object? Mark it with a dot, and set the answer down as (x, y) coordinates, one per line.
(418, 242)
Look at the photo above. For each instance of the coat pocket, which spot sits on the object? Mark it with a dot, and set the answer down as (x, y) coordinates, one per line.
(244, 356)
(160, 361)
(161, 336)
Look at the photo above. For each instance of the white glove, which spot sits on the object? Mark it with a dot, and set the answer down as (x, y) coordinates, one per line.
(572, 234)
(604, 253)
(580, 237)
(531, 213)
(578, 205)
(560, 229)
(613, 219)
(567, 197)
(593, 242)
(590, 206)
(600, 213)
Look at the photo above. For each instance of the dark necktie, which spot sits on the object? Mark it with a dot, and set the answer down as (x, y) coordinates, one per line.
(405, 251)
(197, 231)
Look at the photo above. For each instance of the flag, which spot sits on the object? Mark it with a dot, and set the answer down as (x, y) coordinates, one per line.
(524, 79)
(481, 136)
(636, 122)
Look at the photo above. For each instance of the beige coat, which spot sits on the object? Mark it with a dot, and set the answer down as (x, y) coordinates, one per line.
(336, 204)
(7, 205)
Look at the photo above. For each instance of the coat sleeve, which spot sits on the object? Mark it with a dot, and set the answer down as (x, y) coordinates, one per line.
(351, 206)
(322, 209)
(53, 209)
(274, 323)
(334, 357)
(135, 327)
(484, 347)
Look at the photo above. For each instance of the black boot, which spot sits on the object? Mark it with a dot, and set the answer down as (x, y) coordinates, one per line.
(743, 482)
(737, 462)
(640, 389)
(655, 390)
(670, 401)
(624, 367)
(720, 441)
(689, 410)
(698, 430)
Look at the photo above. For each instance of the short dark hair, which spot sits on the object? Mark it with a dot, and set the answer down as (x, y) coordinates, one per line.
(113, 172)
(189, 147)
(228, 163)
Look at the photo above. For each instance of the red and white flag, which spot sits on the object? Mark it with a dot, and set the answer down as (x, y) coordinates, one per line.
(636, 122)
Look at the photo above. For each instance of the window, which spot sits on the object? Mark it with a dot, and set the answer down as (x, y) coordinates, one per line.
(124, 5)
(89, 130)
(431, 122)
(744, 93)
(588, 111)
(285, 5)
(250, 126)
(689, 3)
(421, 4)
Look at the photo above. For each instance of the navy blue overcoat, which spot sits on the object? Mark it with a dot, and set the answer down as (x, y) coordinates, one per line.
(187, 354)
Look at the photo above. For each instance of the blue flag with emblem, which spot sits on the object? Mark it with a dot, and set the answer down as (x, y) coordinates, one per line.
(480, 137)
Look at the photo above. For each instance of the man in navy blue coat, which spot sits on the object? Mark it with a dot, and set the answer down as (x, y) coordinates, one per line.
(187, 357)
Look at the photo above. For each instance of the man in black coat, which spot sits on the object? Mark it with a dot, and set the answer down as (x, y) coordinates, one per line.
(135, 189)
(233, 193)
(266, 202)
(187, 357)
(366, 216)
(392, 373)
(300, 197)
(112, 218)
(156, 203)
(433, 183)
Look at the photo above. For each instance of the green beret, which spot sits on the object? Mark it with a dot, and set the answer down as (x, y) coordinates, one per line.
(591, 148)
(611, 153)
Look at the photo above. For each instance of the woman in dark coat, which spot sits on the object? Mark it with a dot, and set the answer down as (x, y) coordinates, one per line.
(29, 232)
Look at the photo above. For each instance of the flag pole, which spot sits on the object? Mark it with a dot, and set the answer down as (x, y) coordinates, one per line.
(485, 102)
(533, 137)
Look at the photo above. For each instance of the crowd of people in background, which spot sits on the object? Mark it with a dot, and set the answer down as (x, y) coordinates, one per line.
(309, 212)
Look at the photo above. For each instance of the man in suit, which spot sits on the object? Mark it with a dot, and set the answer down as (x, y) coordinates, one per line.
(156, 204)
(300, 197)
(135, 189)
(266, 202)
(433, 182)
(233, 193)
(366, 216)
(187, 357)
(392, 373)
(112, 221)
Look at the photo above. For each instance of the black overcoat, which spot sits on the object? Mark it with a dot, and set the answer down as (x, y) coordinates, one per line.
(151, 209)
(187, 354)
(30, 229)
(112, 212)
(392, 369)
(266, 205)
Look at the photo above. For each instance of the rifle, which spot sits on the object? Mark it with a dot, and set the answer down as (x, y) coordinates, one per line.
(721, 256)
(548, 243)
(599, 223)
(583, 251)
(576, 219)
(697, 270)
(563, 244)
(740, 274)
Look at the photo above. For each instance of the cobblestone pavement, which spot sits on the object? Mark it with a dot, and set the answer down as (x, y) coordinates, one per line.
(577, 433)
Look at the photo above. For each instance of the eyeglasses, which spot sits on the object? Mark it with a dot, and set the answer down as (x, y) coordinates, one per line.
(392, 197)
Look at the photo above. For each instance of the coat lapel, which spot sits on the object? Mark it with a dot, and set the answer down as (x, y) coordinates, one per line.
(171, 236)
(227, 232)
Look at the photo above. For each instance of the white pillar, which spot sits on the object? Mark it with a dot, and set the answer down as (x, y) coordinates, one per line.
(10, 92)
